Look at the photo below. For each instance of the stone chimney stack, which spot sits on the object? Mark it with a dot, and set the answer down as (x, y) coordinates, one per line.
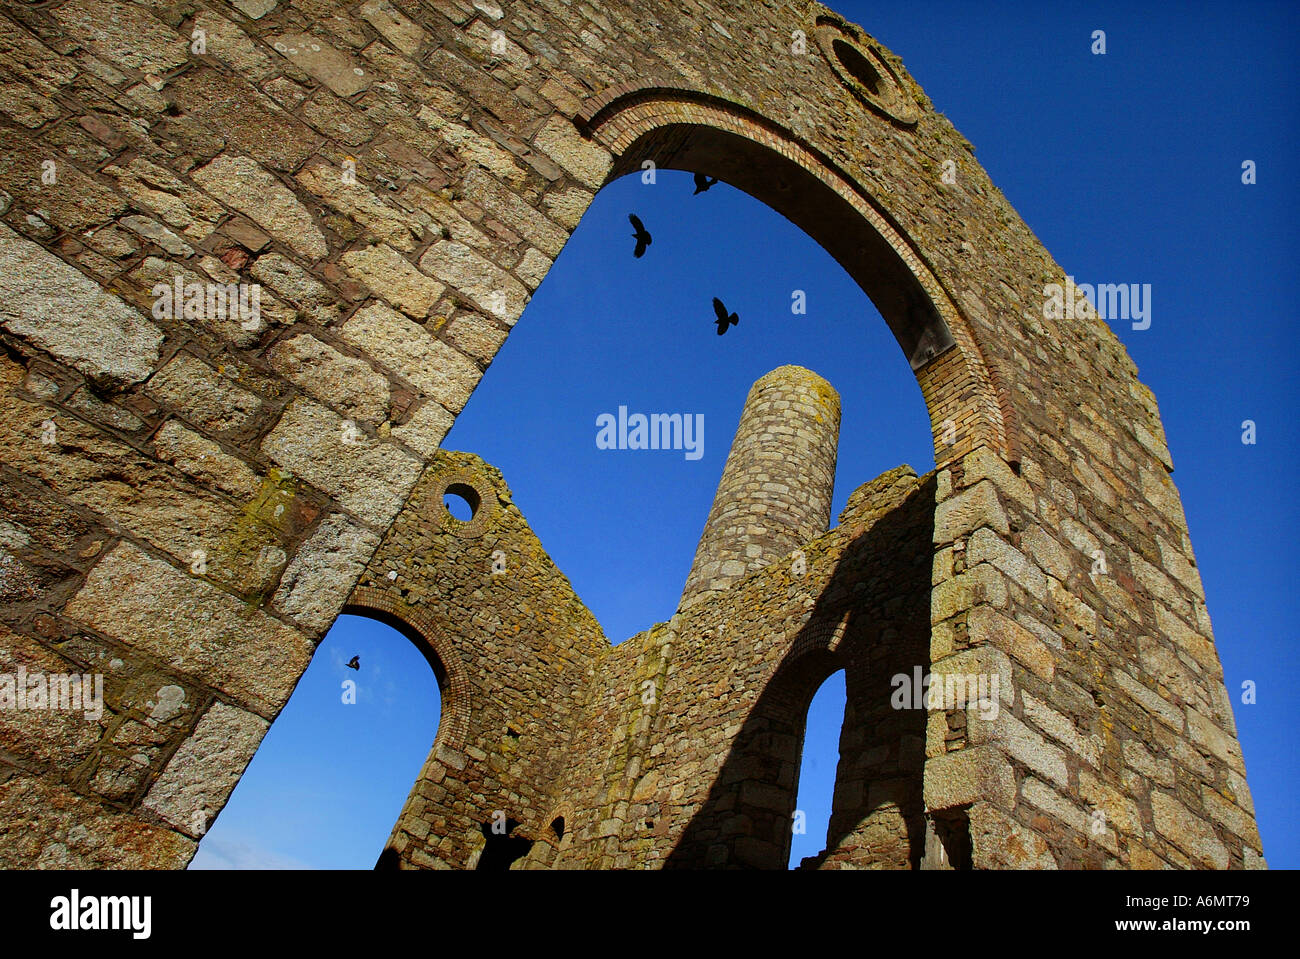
(776, 489)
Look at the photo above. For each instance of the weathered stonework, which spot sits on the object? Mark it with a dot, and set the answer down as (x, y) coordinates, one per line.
(776, 489)
(190, 500)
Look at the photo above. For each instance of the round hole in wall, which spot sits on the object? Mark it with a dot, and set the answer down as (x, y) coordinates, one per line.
(462, 501)
(859, 67)
(865, 70)
(466, 504)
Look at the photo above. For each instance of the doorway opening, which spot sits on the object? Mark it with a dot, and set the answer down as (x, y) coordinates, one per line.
(819, 763)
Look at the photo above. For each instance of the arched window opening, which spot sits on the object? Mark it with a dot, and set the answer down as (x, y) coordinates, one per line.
(502, 848)
(330, 778)
(817, 772)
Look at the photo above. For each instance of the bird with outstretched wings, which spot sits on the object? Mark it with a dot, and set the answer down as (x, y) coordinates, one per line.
(724, 319)
(641, 235)
(703, 182)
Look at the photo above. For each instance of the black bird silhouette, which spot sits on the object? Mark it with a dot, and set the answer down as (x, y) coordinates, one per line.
(702, 183)
(642, 237)
(724, 320)
(354, 663)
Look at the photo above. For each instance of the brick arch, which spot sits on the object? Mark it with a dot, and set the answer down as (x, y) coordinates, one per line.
(453, 684)
(825, 634)
(562, 810)
(690, 130)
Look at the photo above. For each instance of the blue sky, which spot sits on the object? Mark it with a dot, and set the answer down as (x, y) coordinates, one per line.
(329, 779)
(1126, 166)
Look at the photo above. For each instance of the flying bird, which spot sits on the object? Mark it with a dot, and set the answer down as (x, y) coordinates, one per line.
(354, 663)
(642, 236)
(724, 319)
(702, 183)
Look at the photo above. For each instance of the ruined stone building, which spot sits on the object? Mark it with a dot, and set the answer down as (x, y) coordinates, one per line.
(191, 492)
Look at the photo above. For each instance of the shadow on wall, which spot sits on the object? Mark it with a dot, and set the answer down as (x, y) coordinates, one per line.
(881, 590)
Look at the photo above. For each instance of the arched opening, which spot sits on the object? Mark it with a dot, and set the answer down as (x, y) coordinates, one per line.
(587, 310)
(689, 130)
(818, 765)
(330, 777)
(747, 822)
(606, 330)
(502, 847)
(749, 818)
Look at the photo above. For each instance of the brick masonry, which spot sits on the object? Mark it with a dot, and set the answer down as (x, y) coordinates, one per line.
(189, 500)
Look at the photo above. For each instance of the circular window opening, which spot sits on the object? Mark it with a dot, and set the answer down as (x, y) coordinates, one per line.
(858, 66)
(864, 70)
(468, 503)
(462, 501)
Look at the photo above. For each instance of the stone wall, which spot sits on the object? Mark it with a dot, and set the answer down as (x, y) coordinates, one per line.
(511, 646)
(190, 496)
(679, 747)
